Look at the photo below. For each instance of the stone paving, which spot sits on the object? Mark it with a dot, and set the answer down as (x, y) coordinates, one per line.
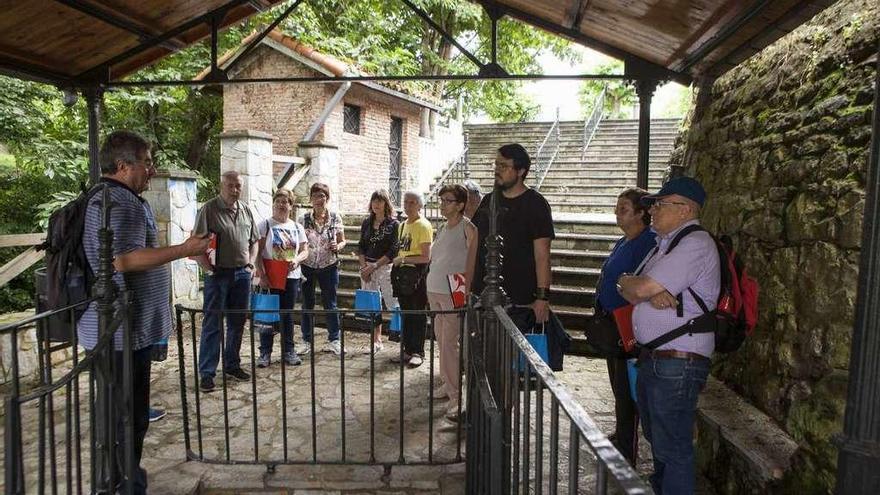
(423, 427)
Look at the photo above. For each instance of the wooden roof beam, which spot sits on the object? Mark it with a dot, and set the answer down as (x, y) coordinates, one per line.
(723, 35)
(658, 71)
(104, 67)
(795, 16)
(575, 14)
(17, 68)
(119, 20)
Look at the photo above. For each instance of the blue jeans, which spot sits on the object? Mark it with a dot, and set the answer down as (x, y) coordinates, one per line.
(328, 279)
(287, 298)
(667, 391)
(227, 288)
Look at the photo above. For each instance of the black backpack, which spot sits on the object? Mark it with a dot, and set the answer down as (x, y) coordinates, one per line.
(69, 278)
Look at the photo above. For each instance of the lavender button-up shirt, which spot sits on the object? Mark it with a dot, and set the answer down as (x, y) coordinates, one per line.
(692, 264)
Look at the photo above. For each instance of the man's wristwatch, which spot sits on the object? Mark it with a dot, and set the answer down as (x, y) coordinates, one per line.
(542, 293)
(251, 266)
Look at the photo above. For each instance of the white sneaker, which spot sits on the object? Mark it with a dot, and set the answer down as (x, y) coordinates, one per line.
(334, 347)
(305, 349)
(440, 393)
(415, 361)
(377, 347)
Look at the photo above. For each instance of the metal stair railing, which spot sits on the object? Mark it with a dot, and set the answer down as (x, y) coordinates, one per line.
(591, 123)
(543, 164)
(457, 172)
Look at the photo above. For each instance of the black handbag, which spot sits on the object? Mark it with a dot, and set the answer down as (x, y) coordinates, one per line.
(602, 335)
(405, 280)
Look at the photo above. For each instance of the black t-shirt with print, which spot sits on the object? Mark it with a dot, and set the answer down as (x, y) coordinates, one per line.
(521, 220)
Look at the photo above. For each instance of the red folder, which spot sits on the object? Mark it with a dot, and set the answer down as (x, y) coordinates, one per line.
(457, 289)
(623, 319)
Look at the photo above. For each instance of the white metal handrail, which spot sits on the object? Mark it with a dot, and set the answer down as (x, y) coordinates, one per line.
(592, 122)
(542, 166)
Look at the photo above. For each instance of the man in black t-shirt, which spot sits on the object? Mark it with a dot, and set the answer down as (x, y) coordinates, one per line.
(526, 224)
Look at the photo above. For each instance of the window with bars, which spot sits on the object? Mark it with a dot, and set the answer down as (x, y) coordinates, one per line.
(351, 119)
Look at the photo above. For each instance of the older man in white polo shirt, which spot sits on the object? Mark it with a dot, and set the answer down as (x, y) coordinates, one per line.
(678, 277)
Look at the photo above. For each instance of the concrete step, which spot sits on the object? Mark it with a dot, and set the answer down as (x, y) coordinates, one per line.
(575, 185)
(486, 147)
(584, 178)
(589, 194)
(488, 156)
(574, 136)
(575, 276)
(586, 207)
(578, 241)
(578, 257)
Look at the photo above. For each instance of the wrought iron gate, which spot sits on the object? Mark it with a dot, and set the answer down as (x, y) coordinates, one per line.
(395, 153)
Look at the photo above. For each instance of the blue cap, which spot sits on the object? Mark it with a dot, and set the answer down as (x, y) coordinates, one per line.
(683, 186)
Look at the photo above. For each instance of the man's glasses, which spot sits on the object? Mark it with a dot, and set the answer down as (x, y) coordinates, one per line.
(661, 204)
(147, 163)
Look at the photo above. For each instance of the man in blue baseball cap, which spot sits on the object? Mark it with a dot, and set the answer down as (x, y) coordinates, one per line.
(678, 282)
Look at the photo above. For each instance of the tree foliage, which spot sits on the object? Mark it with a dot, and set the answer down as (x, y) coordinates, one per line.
(619, 95)
(387, 38)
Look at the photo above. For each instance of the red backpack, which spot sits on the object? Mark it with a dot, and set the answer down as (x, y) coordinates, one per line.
(736, 313)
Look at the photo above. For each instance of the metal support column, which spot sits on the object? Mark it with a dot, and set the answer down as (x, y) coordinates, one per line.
(859, 457)
(493, 295)
(645, 89)
(94, 97)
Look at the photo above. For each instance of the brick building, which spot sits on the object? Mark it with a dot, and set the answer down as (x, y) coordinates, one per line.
(357, 137)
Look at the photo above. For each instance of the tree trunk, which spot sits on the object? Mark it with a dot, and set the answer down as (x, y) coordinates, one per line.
(200, 132)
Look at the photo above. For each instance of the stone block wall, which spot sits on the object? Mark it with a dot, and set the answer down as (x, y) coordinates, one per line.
(781, 145)
(172, 195)
(250, 154)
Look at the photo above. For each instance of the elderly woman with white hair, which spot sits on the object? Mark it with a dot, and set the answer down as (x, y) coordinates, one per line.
(408, 278)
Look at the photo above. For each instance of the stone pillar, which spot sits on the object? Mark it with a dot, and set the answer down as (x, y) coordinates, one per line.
(323, 161)
(250, 154)
(172, 195)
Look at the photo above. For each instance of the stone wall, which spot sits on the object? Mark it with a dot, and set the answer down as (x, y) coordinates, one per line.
(781, 145)
(172, 195)
(249, 153)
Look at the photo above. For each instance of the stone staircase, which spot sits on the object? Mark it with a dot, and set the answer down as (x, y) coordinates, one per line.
(573, 184)
(582, 195)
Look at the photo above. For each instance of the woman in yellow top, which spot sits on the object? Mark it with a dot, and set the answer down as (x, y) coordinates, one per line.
(416, 235)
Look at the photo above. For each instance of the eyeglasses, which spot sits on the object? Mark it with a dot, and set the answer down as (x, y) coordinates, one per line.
(446, 201)
(147, 163)
(503, 166)
(661, 204)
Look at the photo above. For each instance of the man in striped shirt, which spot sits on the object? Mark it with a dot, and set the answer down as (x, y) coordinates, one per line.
(140, 266)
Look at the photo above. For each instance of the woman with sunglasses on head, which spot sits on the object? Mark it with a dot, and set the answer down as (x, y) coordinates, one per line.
(326, 237)
(454, 249)
(377, 248)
